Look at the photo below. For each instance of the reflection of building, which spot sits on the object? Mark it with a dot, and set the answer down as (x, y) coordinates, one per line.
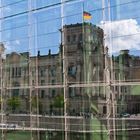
(28, 77)
(84, 54)
(84, 46)
(42, 76)
(127, 69)
(23, 71)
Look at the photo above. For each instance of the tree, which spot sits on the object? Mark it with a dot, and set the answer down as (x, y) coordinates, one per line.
(36, 103)
(58, 102)
(14, 103)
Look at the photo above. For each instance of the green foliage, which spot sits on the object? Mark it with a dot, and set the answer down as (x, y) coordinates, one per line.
(14, 103)
(36, 103)
(58, 101)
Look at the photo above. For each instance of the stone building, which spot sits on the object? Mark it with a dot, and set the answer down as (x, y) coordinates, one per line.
(38, 76)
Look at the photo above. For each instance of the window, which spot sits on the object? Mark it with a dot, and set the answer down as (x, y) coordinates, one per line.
(71, 92)
(42, 82)
(72, 70)
(53, 82)
(74, 38)
(80, 37)
(53, 71)
(19, 71)
(53, 93)
(68, 38)
(15, 92)
(42, 73)
(104, 109)
(16, 72)
(13, 72)
(42, 93)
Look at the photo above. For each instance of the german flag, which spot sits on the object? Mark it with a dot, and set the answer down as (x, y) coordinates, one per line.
(86, 15)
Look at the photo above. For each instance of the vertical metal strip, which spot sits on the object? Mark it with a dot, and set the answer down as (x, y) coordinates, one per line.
(64, 72)
(1, 76)
(29, 67)
(112, 99)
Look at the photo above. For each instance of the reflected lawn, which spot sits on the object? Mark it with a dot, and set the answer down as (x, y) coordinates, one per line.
(18, 135)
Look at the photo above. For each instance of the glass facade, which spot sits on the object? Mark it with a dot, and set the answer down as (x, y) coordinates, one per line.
(69, 70)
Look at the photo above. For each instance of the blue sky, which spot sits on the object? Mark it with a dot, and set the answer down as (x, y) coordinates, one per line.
(45, 23)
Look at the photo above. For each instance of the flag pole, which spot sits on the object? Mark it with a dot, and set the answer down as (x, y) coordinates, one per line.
(83, 12)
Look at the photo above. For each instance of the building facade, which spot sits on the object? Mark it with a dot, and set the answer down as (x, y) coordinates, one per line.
(64, 76)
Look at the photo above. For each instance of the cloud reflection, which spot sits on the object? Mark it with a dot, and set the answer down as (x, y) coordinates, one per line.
(122, 34)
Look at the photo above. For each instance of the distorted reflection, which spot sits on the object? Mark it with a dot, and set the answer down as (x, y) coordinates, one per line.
(69, 70)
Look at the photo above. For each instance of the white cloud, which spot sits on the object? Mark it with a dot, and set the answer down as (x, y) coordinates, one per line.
(17, 42)
(11, 46)
(125, 35)
(7, 46)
